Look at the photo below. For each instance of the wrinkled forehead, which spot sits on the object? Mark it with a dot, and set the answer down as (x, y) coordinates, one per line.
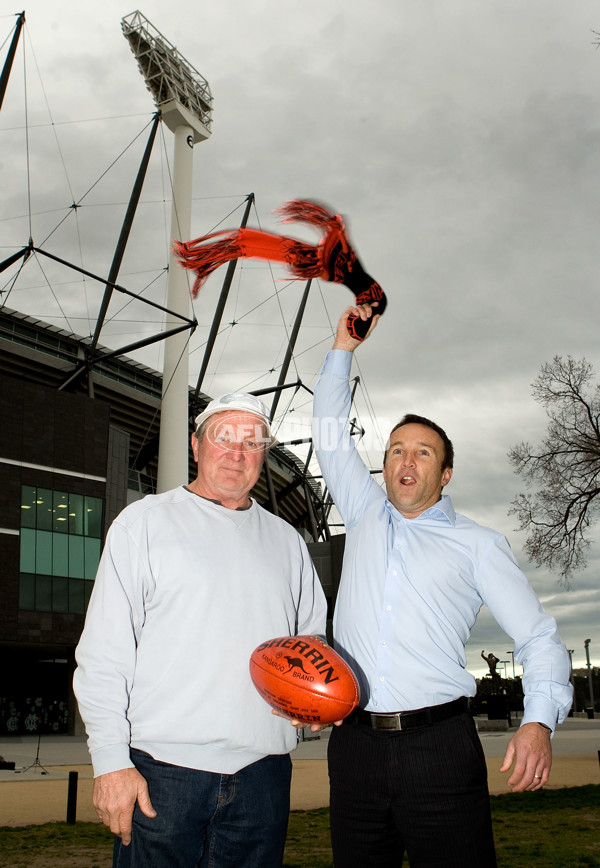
(414, 434)
(237, 425)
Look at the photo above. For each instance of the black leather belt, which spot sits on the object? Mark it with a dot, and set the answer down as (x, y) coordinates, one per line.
(408, 719)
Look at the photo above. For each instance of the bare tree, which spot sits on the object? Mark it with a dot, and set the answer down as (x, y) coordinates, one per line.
(564, 469)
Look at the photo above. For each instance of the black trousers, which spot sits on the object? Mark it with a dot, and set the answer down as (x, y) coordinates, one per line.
(422, 791)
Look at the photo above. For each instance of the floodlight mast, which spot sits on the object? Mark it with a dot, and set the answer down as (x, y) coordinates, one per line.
(184, 100)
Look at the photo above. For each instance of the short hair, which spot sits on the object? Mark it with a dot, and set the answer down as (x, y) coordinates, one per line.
(413, 419)
(200, 430)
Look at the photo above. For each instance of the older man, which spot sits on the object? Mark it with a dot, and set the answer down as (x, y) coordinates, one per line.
(407, 770)
(191, 768)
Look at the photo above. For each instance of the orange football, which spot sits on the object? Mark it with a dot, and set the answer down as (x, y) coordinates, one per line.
(304, 678)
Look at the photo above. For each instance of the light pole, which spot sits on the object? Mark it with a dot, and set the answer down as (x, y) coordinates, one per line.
(512, 657)
(586, 645)
(184, 100)
(570, 652)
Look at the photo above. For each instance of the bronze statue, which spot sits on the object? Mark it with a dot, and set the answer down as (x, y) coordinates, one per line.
(492, 661)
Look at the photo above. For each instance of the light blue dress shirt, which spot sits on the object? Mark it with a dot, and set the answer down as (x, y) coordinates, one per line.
(411, 589)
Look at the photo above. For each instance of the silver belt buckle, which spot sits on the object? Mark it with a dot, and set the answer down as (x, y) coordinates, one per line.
(387, 721)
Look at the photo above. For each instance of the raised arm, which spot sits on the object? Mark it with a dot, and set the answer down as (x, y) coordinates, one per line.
(348, 479)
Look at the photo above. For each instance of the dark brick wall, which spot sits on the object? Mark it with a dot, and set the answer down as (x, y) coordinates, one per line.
(41, 426)
(117, 473)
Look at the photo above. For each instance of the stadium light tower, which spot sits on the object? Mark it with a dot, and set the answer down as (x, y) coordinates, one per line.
(184, 100)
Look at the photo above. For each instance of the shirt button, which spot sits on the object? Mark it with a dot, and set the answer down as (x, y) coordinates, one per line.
(388, 608)
(394, 573)
(381, 678)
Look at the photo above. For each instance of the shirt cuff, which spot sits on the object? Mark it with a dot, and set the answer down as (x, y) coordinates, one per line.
(539, 710)
(111, 759)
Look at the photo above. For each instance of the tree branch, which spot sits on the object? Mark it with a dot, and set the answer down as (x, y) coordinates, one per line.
(564, 471)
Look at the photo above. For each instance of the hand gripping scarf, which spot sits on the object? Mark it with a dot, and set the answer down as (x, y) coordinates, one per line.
(332, 259)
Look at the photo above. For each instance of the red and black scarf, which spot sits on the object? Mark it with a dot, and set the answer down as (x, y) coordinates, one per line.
(332, 259)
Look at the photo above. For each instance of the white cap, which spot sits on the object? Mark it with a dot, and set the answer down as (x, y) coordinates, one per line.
(243, 401)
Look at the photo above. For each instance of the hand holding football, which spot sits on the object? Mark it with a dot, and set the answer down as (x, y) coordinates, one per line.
(304, 678)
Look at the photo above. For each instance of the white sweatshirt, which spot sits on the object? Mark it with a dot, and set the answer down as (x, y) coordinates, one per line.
(185, 590)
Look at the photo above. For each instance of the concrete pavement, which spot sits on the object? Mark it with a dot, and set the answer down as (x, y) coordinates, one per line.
(36, 792)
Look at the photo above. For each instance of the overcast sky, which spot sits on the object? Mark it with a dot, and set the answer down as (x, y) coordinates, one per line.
(460, 140)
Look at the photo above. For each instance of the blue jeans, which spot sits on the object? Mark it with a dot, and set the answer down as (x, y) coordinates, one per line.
(208, 820)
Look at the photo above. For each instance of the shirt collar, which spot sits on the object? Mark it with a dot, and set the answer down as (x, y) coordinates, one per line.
(218, 502)
(443, 510)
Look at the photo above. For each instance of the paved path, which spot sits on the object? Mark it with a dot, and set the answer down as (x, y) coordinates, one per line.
(28, 796)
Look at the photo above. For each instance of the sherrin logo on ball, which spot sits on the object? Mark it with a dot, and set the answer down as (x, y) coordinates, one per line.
(304, 678)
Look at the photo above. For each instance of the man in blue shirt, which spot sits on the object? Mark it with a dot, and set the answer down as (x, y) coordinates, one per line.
(407, 771)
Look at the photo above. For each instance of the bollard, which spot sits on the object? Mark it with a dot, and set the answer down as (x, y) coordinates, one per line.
(72, 797)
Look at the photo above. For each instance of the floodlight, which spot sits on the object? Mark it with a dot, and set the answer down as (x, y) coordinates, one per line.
(179, 91)
(184, 101)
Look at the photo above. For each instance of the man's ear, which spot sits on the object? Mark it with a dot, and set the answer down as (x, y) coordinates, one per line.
(446, 476)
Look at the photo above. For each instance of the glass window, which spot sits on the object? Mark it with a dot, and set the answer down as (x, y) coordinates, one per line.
(60, 594)
(60, 549)
(76, 562)
(87, 588)
(60, 554)
(93, 514)
(43, 594)
(76, 596)
(43, 552)
(27, 592)
(44, 509)
(60, 512)
(28, 550)
(76, 513)
(92, 557)
(28, 505)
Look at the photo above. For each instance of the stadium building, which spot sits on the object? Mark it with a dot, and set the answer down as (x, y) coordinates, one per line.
(73, 452)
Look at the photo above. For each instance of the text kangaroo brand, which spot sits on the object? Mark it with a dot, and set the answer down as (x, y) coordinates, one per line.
(306, 650)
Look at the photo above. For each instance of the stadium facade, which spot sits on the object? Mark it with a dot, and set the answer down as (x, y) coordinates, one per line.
(73, 453)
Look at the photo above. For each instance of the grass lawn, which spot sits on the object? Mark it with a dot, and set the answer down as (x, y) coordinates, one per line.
(549, 829)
